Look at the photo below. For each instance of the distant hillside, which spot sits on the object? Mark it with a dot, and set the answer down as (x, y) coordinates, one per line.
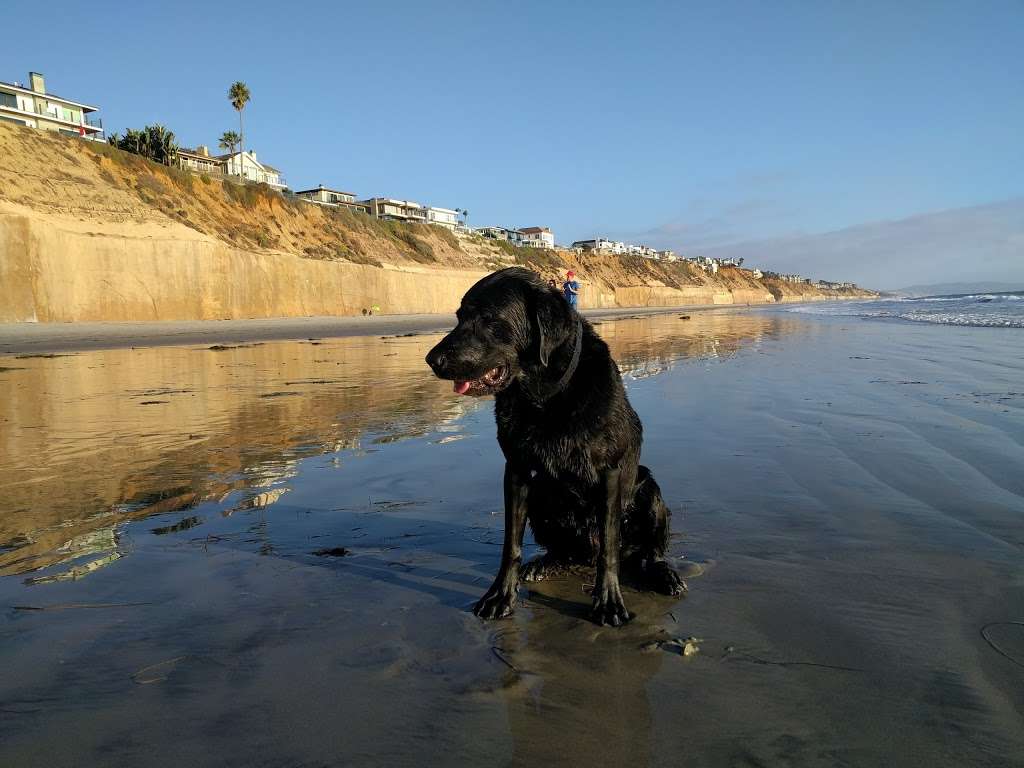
(88, 232)
(951, 289)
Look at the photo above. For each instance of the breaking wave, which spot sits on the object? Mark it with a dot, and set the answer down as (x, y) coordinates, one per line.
(980, 310)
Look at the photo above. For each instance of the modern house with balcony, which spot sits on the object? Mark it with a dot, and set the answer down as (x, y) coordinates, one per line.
(600, 244)
(513, 236)
(332, 198)
(395, 210)
(538, 237)
(406, 210)
(36, 108)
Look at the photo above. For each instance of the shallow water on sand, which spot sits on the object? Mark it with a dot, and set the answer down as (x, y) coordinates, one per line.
(265, 555)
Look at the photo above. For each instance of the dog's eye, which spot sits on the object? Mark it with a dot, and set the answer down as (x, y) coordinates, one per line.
(500, 329)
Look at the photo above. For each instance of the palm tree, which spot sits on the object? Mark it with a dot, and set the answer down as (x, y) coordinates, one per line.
(238, 95)
(154, 142)
(229, 140)
(161, 144)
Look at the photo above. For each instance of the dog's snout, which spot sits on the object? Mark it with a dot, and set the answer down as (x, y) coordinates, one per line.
(436, 359)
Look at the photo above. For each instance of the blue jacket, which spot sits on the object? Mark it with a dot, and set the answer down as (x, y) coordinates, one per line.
(569, 288)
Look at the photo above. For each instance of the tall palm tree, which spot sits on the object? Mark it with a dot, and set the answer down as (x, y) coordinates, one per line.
(229, 140)
(238, 95)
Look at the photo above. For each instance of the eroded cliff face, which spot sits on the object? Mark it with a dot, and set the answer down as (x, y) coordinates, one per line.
(89, 233)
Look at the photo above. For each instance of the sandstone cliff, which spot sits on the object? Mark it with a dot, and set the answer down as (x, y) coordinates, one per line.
(91, 233)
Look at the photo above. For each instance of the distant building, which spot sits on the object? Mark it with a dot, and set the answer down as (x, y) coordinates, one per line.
(668, 255)
(788, 278)
(246, 166)
(538, 237)
(332, 198)
(513, 236)
(602, 245)
(390, 209)
(706, 263)
(327, 196)
(758, 274)
(200, 160)
(36, 108)
(443, 217)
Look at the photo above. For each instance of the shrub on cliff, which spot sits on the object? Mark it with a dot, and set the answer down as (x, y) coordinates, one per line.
(154, 142)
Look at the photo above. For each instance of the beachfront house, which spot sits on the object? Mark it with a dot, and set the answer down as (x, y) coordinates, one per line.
(706, 263)
(332, 198)
(245, 165)
(538, 237)
(443, 217)
(644, 251)
(602, 245)
(200, 160)
(667, 255)
(513, 236)
(326, 196)
(391, 209)
(35, 108)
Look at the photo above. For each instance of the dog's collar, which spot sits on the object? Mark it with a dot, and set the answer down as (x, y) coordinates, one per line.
(547, 393)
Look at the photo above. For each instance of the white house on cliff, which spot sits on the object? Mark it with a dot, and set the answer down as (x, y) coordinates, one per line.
(36, 108)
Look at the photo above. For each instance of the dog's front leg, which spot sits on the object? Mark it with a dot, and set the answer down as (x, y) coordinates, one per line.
(500, 598)
(609, 607)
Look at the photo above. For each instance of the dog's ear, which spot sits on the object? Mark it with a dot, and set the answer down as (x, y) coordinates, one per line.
(551, 320)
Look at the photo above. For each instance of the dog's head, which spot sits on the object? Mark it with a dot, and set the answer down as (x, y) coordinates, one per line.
(509, 322)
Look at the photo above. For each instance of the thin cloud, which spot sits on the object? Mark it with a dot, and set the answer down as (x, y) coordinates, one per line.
(984, 242)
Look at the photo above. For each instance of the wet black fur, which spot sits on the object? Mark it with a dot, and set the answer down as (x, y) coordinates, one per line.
(572, 456)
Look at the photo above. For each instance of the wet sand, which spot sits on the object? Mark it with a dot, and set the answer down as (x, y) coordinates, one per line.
(265, 555)
(48, 338)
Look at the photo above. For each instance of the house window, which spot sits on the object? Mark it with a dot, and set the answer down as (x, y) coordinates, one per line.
(8, 100)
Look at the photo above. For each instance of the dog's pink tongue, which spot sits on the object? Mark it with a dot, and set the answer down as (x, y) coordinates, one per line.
(461, 387)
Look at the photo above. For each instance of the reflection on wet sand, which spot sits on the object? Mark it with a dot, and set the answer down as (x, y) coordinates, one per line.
(96, 439)
(562, 664)
(275, 566)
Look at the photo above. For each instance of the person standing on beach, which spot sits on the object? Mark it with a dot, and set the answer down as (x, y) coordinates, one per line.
(570, 288)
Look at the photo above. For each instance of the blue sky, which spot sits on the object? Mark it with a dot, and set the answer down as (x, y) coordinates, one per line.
(685, 125)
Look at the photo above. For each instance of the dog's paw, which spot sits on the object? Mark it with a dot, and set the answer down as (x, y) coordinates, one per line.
(662, 577)
(540, 568)
(496, 604)
(609, 608)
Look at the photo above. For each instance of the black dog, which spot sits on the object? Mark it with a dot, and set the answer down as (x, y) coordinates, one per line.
(570, 437)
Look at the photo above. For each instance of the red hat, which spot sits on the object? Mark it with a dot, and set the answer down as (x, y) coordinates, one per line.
(570, 273)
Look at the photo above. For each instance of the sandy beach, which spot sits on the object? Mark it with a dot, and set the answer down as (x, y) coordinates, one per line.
(47, 338)
(265, 552)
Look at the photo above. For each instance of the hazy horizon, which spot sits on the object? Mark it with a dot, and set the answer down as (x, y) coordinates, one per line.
(980, 243)
(703, 128)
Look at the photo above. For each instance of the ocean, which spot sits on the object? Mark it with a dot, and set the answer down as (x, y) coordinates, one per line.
(983, 310)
